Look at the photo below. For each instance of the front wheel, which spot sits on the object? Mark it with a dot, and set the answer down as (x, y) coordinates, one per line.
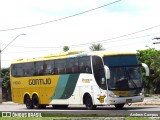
(88, 102)
(119, 106)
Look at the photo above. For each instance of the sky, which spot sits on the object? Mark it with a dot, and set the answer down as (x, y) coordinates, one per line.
(124, 25)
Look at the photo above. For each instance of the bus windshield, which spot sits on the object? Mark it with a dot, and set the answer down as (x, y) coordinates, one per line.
(125, 72)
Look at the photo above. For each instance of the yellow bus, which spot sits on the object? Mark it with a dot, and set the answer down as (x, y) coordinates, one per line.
(78, 78)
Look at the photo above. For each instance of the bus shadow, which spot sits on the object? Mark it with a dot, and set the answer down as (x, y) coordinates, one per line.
(130, 108)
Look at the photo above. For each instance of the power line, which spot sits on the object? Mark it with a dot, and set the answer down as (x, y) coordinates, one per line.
(51, 48)
(85, 44)
(63, 18)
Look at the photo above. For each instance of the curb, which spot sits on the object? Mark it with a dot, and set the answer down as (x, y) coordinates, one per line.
(147, 103)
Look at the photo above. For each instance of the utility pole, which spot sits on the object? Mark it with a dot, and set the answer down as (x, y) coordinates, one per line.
(0, 64)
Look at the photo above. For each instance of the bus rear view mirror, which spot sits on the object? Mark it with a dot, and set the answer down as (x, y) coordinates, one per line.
(146, 68)
(107, 72)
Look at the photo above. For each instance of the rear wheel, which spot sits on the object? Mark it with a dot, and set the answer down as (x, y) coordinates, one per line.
(28, 102)
(119, 106)
(35, 101)
(88, 102)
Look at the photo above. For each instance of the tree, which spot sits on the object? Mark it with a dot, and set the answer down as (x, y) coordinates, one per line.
(6, 88)
(155, 65)
(96, 47)
(65, 48)
(147, 56)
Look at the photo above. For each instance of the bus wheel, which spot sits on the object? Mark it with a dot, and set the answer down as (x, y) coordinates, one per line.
(35, 100)
(88, 102)
(119, 106)
(28, 102)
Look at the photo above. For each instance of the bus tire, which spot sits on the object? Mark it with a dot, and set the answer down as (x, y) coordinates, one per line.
(35, 101)
(88, 102)
(119, 106)
(28, 102)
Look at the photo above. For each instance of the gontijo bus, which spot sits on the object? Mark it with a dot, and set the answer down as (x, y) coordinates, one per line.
(77, 78)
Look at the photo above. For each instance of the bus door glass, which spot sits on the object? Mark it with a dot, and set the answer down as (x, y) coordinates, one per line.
(99, 72)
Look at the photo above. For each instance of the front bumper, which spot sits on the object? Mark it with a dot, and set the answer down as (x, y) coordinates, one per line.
(125, 100)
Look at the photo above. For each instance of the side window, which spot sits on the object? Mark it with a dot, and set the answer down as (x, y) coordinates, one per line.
(72, 65)
(13, 70)
(49, 65)
(60, 66)
(45, 67)
(29, 69)
(85, 64)
(17, 70)
(39, 68)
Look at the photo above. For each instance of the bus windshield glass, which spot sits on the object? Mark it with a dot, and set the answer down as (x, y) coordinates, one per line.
(125, 72)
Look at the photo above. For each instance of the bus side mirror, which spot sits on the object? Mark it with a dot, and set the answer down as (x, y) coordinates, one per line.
(146, 68)
(107, 71)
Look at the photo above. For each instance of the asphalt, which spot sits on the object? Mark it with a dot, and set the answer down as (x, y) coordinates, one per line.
(154, 100)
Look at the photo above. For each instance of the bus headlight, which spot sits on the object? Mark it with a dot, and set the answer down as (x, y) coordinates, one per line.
(140, 94)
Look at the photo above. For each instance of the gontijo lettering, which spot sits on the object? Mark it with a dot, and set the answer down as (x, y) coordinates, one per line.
(46, 81)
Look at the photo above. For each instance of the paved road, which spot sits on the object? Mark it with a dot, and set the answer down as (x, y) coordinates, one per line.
(81, 111)
(150, 106)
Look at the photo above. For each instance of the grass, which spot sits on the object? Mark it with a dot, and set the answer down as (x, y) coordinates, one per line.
(137, 118)
(73, 118)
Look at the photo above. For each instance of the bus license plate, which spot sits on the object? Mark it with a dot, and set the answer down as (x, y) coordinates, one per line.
(128, 100)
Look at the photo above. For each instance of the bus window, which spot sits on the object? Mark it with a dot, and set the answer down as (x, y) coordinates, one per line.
(39, 68)
(13, 70)
(48, 67)
(17, 70)
(29, 69)
(76, 67)
(60, 66)
(85, 64)
(72, 66)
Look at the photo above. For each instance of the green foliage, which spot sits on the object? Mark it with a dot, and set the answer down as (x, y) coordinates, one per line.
(6, 77)
(137, 118)
(96, 47)
(155, 66)
(6, 83)
(65, 48)
(149, 56)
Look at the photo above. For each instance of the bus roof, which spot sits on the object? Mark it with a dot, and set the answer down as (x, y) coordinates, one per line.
(72, 54)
